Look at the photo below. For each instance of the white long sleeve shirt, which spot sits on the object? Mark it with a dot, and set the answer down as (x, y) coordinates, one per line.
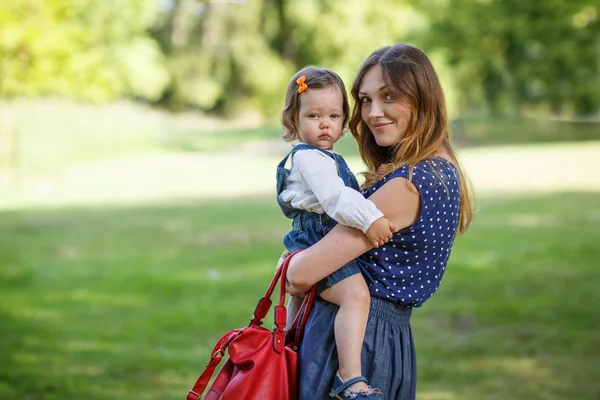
(315, 186)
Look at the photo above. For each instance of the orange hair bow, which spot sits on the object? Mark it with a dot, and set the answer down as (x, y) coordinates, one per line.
(301, 85)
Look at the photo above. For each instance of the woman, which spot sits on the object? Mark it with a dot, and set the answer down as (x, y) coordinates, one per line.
(413, 176)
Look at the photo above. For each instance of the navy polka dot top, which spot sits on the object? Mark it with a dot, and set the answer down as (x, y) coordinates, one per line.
(408, 269)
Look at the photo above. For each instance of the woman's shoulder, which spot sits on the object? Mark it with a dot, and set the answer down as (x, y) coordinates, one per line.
(437, 168)
(436, 179)
(429, 170)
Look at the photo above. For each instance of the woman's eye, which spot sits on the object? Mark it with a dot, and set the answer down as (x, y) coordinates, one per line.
(389, 97)
(365, 100)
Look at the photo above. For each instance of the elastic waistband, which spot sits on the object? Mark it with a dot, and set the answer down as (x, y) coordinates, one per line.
(389, 311)
(308, 219)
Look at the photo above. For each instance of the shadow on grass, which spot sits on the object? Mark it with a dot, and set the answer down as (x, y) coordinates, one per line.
(128, 302)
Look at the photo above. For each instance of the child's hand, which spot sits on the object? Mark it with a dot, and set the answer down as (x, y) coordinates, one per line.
(381, 231)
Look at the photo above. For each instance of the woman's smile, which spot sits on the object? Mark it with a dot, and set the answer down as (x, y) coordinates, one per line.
(380, 126)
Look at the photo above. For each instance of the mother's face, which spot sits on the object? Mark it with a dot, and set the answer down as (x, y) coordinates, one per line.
(382, 109)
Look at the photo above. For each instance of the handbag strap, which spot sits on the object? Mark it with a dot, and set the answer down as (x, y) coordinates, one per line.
(264, 304)
(297, 327)
(217, 354)
(280, 312)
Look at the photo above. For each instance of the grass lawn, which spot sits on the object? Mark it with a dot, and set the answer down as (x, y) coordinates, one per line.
(118, 303)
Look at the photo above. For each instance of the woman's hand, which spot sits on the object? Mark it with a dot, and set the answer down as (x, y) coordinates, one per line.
(288, 288)
(294, 292)
(281, 259)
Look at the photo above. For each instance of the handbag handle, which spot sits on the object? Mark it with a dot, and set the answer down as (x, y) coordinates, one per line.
(297, 328)
(264, 304)
(280, 312)
(262, 308)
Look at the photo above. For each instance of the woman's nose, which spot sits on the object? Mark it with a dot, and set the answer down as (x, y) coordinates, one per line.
(376, 111)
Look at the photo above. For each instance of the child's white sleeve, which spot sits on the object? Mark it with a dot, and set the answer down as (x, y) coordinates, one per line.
(342, 203)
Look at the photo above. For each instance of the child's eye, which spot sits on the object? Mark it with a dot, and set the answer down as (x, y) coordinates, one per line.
(313, 116)
(336, 116)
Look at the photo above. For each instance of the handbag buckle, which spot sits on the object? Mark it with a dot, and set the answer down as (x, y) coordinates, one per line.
(220, 351)
(195, 396)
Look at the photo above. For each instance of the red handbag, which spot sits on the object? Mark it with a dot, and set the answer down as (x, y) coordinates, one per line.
(262, 364)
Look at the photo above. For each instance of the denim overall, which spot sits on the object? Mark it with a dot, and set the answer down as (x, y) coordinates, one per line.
(309, 227)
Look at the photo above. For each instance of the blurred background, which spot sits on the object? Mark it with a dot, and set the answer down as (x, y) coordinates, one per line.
(138, 222)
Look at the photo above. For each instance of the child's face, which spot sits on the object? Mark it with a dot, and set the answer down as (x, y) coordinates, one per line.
(321, 117)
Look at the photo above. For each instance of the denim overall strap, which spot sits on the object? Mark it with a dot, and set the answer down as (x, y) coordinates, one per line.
(302, 146)
(345, 173)
(283, 173)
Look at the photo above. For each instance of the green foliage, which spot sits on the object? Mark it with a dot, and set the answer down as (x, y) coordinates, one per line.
(496, 57)
(94, 49)
(513, 56)
(340, 35)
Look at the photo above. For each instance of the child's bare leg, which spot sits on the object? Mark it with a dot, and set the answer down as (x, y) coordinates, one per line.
(293, 306)
(352, 295)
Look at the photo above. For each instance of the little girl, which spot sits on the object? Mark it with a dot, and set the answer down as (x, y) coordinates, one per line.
(317, 192)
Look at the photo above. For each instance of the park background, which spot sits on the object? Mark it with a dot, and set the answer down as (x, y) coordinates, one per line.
(138, 145)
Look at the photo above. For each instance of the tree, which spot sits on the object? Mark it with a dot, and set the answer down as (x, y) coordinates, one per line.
(518, 55)
(91, 49)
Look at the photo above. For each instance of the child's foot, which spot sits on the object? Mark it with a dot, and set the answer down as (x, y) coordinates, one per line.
(346, 390)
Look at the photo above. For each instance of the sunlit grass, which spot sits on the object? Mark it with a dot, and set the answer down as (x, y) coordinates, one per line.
(495, 172)
(128, 302)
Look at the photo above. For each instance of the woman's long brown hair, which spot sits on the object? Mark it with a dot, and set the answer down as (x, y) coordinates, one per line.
(410, 72)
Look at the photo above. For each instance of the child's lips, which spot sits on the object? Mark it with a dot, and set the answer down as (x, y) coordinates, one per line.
(324, 136)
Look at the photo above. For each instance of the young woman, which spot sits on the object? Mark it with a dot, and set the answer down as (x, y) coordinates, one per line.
(413, 176)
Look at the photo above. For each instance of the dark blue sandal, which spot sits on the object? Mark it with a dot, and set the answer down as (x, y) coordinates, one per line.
(341, 390)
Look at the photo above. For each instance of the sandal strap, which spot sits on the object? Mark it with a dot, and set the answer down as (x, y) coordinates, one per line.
(347, 384)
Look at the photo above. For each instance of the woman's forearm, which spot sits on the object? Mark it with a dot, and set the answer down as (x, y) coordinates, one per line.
(299, 282)
(399, 203)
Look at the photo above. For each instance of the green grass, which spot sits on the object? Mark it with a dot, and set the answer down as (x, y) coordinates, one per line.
(38, 136)
(480, 131)
(120, 303)
(41, 136)
(221, 140)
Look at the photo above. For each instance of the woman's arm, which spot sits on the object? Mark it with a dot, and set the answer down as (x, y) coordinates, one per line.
(399, 202)
(342, 203)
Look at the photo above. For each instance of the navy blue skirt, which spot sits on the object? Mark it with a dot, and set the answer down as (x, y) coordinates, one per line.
(388, 353)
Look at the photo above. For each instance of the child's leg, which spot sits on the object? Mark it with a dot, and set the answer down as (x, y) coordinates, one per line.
(293, 306)
(352, 295)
